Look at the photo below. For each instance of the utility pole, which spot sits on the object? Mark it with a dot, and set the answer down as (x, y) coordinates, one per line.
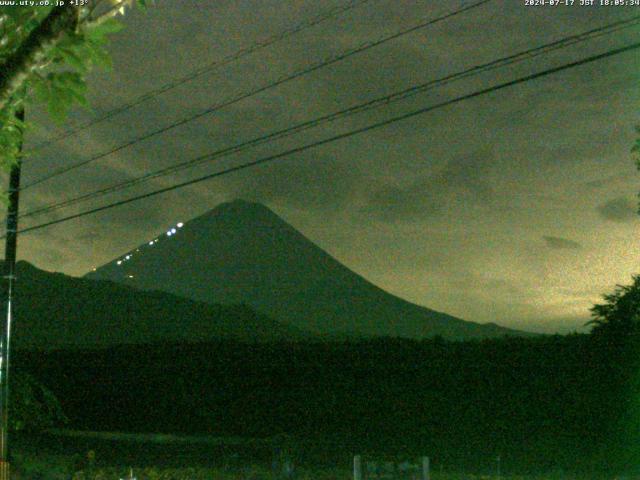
(9, 276)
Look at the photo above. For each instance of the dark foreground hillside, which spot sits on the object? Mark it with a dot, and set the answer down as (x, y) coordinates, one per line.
(542, 404)
(58, 311)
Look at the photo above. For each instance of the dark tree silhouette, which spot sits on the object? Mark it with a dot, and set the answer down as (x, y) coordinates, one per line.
(619, 316)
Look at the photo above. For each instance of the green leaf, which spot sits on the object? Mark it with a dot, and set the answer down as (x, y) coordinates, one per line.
(59, 103)
(72, 83)
(97, 32)
(72, 58)
(100, 56)
(40, 88)
(56, 110)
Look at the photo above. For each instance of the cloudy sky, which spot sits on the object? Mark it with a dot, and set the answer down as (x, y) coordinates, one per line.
(516, 207)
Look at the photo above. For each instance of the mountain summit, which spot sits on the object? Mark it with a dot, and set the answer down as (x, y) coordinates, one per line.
(242, 252)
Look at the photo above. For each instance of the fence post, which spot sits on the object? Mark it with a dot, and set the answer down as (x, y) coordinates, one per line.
(357, 467)
(425, 469)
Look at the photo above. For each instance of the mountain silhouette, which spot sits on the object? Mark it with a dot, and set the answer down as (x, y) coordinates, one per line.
(53, 310)
(243, 252)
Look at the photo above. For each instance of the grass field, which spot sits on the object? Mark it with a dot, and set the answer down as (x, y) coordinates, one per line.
(69, 455)
(60, 468)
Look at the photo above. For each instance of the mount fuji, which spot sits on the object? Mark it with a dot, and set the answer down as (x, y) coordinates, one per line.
(242, 252)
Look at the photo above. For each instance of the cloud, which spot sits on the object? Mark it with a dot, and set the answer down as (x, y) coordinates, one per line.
(318, 181)
(462, 182)
(406, 204)
(392, 204)
(604, 182)
(559, 243)
(621, 210)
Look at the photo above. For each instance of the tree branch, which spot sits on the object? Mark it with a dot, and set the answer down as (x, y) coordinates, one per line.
(15, 70)
(116, 8)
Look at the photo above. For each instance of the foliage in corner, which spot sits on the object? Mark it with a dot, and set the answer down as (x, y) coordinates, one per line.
(619, 315)
(33, 406)
(45, 54)
(11, 131)
(635, 150)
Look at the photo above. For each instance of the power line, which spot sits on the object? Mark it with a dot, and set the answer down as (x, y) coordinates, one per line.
(243, 52)
(341, 136)
(380, 101)
(242, 96)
